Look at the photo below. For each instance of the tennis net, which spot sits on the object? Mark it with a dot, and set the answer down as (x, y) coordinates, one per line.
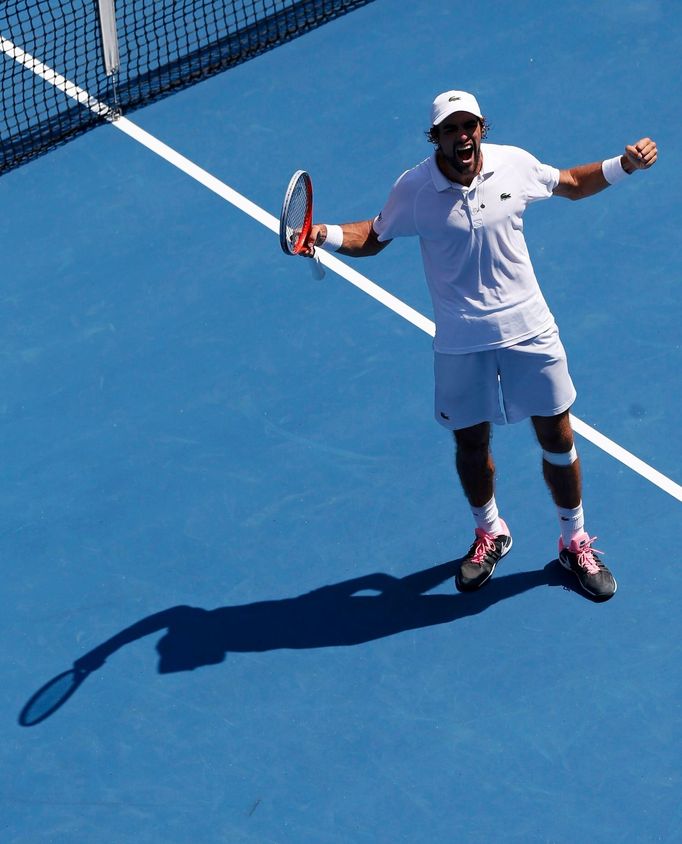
(54, 82)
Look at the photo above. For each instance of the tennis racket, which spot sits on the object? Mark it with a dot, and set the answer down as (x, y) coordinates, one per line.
(296, 219)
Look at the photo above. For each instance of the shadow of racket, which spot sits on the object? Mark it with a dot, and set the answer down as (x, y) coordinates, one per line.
(51, 696)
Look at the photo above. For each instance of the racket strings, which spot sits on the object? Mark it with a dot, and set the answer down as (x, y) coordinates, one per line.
(296, 217)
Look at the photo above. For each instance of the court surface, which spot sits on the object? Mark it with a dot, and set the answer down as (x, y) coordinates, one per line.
(223, 489)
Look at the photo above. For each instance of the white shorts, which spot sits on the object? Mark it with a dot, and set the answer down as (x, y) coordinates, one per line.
(503, 385)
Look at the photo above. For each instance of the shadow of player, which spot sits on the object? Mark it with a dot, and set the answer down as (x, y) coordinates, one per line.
(348, 613)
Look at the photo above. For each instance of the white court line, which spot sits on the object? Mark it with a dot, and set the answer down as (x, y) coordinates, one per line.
(330, 261)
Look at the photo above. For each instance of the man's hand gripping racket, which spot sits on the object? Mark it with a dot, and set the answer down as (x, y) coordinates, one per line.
(296, 220)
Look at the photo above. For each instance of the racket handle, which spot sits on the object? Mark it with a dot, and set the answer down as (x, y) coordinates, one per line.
(316, 267)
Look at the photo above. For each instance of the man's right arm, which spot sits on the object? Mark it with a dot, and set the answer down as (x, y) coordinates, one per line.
(359, 240)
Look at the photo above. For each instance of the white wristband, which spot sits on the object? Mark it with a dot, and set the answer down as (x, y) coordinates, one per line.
(334, 239)
(613, 171)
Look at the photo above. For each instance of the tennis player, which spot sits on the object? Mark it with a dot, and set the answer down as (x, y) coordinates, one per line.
(498, 357)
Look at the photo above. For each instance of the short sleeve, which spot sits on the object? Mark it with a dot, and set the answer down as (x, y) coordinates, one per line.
(542, 180)
(396, 218)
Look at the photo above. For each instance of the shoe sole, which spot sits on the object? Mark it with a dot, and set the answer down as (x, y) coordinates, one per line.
(597, 597)
(477, 586)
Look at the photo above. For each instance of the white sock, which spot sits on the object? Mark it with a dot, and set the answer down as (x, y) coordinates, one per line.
(572, 522)
(487, 517)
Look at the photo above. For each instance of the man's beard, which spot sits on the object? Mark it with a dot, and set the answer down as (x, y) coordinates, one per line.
(458, 165)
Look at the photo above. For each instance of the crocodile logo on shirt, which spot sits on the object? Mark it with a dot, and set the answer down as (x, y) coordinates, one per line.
(505, 196)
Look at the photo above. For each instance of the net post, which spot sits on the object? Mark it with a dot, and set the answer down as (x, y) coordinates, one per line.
(110, 53)
(107, 24)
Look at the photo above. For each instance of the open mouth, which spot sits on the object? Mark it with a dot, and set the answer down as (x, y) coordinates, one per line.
(465, 153)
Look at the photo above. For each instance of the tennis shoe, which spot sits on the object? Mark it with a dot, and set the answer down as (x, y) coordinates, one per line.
(482, 558)
(581, 558)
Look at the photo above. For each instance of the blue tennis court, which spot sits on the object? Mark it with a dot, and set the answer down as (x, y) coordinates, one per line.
(225, 498)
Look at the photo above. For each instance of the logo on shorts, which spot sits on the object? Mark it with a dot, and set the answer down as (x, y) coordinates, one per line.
(444, 416)
(505, 196)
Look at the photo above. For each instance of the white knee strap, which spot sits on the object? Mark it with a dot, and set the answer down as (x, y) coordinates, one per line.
(563, 459)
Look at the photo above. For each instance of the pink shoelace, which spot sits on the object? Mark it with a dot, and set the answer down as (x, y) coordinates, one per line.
(585, 555)
(484, 544)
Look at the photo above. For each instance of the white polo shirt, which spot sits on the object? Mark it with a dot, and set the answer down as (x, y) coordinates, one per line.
(484, 290)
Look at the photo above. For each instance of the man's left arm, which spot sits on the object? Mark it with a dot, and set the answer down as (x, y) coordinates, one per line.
(588, 179)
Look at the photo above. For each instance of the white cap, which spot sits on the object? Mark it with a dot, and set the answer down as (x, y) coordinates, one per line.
(451, 101)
